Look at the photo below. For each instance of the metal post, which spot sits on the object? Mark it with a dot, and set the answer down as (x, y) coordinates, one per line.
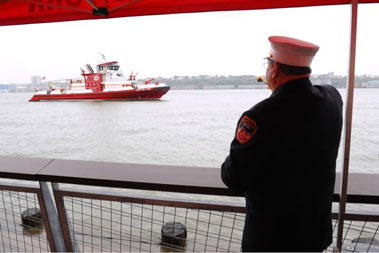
(51, 212)
(68, 233)
(348, 120)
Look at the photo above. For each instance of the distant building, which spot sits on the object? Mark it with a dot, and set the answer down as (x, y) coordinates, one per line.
(4, 88)
(330, 75)
(322, 81)
(36, 80)
(371, 84)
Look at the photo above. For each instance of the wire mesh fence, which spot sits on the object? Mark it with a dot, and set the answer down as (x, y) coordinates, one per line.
(360, 236)
(21, 225)
(103, 223)
(110, 226)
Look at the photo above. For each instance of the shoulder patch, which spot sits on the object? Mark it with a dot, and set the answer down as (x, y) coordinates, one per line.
(246, 129)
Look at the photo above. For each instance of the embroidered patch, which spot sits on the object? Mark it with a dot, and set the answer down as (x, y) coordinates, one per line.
(246, 129)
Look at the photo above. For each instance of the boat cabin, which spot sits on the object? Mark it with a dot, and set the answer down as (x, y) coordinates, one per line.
(110, 72)
(107, 66)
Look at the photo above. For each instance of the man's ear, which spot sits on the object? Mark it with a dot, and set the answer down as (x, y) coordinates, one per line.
(275, 70)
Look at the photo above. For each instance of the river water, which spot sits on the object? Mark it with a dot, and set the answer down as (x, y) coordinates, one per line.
(185, 127)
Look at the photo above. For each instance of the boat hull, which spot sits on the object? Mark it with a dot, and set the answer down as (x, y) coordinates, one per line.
(140, 94)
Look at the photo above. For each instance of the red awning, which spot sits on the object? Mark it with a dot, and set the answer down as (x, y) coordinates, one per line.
(15, 12)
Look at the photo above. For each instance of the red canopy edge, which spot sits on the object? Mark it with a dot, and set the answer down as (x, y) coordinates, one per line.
(16, 12)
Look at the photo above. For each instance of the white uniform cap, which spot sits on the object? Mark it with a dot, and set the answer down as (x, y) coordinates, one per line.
(292, 51)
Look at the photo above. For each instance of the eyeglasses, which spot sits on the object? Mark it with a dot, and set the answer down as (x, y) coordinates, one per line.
(266, 62)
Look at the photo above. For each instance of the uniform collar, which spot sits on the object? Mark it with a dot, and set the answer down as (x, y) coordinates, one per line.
(293, 85)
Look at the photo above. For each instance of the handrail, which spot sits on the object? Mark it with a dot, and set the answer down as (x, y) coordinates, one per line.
(182, 179)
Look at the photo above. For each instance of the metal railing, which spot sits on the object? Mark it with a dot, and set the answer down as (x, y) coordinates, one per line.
(94, 221)
(16, 236)
(102, 222)
(84, 217)
(360, 236)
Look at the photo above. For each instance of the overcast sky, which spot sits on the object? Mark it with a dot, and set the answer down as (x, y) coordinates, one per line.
(217, 43)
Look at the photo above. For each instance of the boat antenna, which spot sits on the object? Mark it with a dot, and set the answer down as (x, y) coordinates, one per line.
(102, 56)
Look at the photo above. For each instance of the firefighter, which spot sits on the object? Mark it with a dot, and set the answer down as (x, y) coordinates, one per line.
(283, 155)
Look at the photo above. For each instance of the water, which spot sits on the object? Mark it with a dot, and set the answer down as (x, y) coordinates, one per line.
(186, 127)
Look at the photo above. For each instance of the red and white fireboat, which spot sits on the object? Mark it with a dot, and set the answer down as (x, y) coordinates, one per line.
(108, 83)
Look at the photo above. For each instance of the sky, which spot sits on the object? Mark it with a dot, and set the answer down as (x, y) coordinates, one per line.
(212, 43)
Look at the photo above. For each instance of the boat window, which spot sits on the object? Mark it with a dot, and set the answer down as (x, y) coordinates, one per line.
(113, 67)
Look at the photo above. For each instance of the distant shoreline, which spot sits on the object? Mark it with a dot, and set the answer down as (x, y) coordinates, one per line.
(237, 87)
(208, 87)
(216, 87)
(207, 82)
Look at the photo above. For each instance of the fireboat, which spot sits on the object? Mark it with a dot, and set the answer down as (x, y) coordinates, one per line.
(107, 83)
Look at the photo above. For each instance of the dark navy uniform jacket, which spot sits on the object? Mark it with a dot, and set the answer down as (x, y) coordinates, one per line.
(283, 160)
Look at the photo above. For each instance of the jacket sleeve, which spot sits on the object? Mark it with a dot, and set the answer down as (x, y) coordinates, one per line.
(244, 165)
(231, 177)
